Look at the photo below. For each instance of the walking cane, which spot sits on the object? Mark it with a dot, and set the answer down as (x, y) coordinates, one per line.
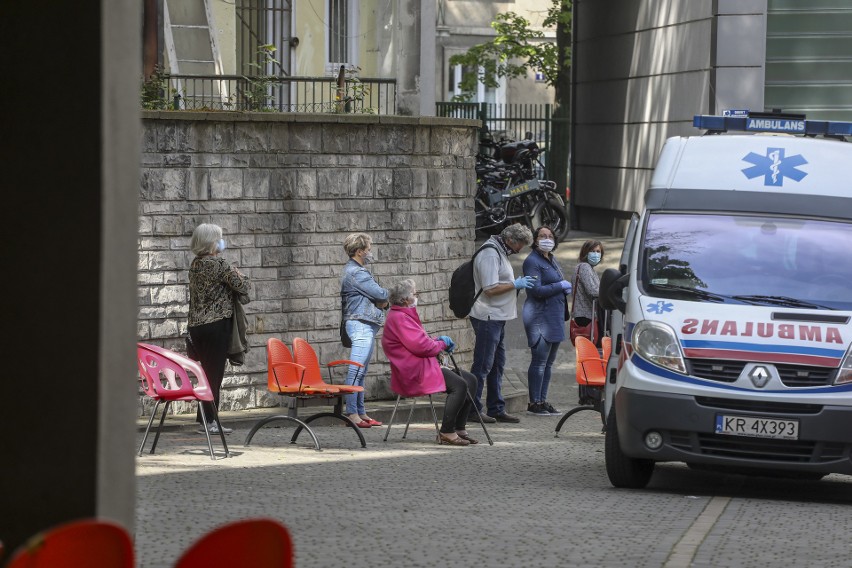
(470, 398)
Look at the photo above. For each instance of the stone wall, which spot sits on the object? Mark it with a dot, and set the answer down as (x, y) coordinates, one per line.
(286, 189)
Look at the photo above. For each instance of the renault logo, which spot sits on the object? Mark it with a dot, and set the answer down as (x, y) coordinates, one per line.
(759, 376)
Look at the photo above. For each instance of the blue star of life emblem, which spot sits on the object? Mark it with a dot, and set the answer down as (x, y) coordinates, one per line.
(774, 167)
(660, 307)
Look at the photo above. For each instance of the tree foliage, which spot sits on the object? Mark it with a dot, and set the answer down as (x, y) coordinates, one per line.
(515, 50)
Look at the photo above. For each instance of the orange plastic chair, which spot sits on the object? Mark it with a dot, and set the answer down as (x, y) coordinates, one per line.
(285, 378)
(78, 544)
(307, 357)
(591, 373)
(259, 543)
(301, 380)
(167, 375)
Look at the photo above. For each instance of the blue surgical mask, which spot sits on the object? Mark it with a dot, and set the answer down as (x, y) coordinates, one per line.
(220, 246)
(546, 245)
(594, 258)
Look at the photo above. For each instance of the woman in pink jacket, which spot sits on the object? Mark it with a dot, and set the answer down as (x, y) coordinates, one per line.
(414, 365)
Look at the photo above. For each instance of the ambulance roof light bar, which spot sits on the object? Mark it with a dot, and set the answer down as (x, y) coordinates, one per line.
(772, 122)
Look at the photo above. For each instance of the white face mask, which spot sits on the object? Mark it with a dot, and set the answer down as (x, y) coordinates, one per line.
(546, 245)
(414, 303)
(220, 245)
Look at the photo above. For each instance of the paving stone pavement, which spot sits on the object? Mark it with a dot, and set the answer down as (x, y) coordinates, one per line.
(532, 499)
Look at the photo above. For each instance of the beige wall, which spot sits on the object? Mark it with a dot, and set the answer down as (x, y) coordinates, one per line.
(467, 23)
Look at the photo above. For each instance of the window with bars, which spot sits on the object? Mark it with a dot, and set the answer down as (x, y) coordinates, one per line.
(260, 23)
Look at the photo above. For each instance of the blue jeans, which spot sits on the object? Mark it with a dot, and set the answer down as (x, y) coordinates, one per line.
(541, 364)
(489, 358)
(363, 336)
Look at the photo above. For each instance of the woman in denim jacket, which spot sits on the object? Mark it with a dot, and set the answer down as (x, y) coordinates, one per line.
(544, 318)
(363, 300)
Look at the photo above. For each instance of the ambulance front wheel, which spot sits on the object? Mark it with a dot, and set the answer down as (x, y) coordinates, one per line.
(622, 470)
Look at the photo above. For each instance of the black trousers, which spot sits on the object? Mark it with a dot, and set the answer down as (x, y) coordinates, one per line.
(211, 345)
(458, 403)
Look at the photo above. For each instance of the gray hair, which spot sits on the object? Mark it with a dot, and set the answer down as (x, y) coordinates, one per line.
(401, 291)
(518, 233)
(355, 242)
(205, 238)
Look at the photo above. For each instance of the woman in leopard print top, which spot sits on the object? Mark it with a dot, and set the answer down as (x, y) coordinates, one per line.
(212, 285)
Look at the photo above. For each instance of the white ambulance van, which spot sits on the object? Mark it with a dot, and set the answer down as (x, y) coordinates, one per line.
(732, 306)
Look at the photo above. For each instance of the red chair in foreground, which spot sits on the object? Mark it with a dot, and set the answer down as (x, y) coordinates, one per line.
(78, 544)
(591, 373)
(255, 543)
(166, 377)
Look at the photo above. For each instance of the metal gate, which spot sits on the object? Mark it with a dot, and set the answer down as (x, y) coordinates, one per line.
(507, 121)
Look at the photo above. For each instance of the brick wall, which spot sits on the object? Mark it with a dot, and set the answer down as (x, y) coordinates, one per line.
(286, 190)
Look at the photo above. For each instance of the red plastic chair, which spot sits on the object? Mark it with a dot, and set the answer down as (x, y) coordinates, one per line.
(591, 373)
(167, 374)
(78, 544)
(258, 543)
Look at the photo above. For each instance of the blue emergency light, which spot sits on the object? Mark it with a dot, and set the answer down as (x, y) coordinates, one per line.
(771, 122)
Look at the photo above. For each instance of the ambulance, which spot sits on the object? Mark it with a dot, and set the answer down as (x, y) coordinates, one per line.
(732, 307)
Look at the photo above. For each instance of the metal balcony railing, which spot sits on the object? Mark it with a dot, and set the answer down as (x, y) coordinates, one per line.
(276, 94)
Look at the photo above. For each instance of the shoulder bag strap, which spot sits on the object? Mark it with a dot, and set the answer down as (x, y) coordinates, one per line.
(486, 245)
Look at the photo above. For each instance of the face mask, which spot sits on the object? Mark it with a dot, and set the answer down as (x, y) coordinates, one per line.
(594, 258)
(220, 246)
(369, 258)
(414, 303)
(546, 245)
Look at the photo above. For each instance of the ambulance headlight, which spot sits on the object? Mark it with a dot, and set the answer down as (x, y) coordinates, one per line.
(657, 343)
(844, 375)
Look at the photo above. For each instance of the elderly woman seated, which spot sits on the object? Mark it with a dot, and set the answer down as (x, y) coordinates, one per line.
(414, 365)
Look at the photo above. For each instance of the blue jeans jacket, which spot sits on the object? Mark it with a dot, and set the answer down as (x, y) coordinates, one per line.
(359, 292)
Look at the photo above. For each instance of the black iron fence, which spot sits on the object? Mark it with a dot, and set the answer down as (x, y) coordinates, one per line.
(510, 121)
(276, 94)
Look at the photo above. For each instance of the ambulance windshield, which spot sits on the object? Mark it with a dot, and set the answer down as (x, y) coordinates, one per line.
(758, 260)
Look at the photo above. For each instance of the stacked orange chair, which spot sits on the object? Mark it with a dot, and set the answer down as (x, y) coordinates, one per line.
(591, 373)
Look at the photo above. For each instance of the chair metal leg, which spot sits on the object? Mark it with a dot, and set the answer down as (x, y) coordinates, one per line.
(342, 417)
(393, 414)
(206, 431)
(410, 414)
(481, 421)
(221, 431)
(266, 421)
(568, 415)
(160, 427)
(435, 418)
(148, 429)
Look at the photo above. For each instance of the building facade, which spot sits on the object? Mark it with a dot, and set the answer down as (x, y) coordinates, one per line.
(644, 69)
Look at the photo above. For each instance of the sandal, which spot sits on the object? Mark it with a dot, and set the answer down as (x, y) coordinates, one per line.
(452, 441)
(470, 440)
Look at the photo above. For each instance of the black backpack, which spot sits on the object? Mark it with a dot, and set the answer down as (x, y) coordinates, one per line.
(463, 292)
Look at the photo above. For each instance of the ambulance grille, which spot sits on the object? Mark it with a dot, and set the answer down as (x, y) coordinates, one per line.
(725, 371)
(790, 451)
(760, 406)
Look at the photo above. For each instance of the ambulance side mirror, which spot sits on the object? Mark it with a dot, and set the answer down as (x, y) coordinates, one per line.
(610, 291)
